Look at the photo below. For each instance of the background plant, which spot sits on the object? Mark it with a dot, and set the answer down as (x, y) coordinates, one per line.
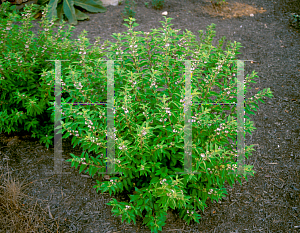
(129, 9)
(149, 134)
(218, 2)
(295, 20)
(23, 102)
(10, 9)
(158, 4)
(69, 9)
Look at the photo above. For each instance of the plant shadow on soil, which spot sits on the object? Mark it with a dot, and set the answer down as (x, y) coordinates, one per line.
(267, 202)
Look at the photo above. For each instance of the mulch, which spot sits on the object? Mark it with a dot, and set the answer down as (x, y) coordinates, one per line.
(267, 202)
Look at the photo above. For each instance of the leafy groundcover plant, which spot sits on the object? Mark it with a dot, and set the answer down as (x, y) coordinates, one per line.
(295, 20)
(129, 9)
(23, 102)
(158, 4)
(148, 127)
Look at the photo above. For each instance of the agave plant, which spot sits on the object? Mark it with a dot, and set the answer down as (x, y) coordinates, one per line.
(66, 9)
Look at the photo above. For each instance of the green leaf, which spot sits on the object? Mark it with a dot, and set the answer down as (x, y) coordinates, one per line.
(125, 184)
(95, 160)
(255, 105)
(129, 181)
(73, 140)
(249, 112)
(52, 10)
(82, 167)
(80, 15)
(85, 146)
(67, 134)
(254, 108)
(42, 2)
(76, 164)
(92, 147)
(135, 25)
(140, 201)
(60, 15)
(95, 6)
(76, 142)
(68, 124)
(113, 189)
(69, 11)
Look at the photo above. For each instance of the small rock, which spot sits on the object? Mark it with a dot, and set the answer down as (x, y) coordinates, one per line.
(251, 15)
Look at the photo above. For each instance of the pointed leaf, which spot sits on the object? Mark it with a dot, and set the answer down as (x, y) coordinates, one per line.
(82, 167)
(93, 171)
(60, 13)
(80, 15)
(69, 11)
(52, 9)
(94, 6)
(42, 2)
(76, 142)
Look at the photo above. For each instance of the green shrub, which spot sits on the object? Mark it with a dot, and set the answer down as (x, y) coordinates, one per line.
(218, 2)
(146, 4)
(295, 20)
(23, 101)
(149, 124)
(129, 9)
(10, 9)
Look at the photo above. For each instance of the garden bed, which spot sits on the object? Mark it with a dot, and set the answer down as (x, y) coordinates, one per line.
(268, 202)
